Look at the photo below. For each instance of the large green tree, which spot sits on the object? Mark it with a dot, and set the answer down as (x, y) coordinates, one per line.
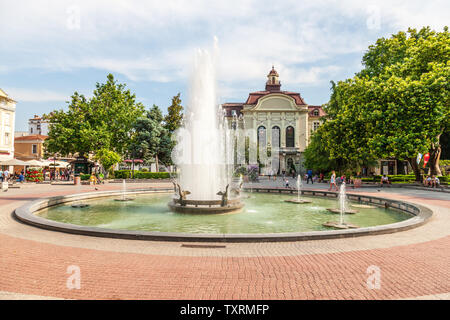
(103, 122)
(397, 106)
(151, 140)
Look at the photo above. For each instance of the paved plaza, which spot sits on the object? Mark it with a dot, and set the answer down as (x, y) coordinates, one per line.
(412, 264)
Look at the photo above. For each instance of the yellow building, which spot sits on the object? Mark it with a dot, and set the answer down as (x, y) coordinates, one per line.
(29, 147)
(7, 119)
(275, 123)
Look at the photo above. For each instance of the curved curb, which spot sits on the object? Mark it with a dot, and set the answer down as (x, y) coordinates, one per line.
(26, 214)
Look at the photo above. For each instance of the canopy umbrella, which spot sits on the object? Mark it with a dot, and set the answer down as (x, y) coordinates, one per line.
(35, 163)
(14, 162)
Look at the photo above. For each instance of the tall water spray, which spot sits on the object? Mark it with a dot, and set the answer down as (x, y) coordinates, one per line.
(299, 187)
(342, 204)
(202, 149)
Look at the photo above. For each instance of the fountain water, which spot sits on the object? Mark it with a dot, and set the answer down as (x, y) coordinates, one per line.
(79, 203)
(203, 148)
(342, 211)
(299, 192)
(124, 191)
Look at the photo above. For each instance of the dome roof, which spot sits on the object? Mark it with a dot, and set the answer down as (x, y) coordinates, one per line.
(273, 72)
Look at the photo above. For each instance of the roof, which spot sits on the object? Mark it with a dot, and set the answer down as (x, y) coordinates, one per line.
(253, 97)
(31, 137)
(273, 72)
(4, 95)
(312, 108)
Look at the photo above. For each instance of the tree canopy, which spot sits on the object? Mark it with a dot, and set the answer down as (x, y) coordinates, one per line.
(92, 124)
(397, 106)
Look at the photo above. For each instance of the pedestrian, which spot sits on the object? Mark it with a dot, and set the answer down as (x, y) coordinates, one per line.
(333, 181)
(309, 176)
(6, 175)
(321, 176)
(1, 175)
(286, 183)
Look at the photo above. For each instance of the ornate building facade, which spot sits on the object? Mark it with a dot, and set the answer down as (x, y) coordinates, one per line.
(7, 118)
(277, 126)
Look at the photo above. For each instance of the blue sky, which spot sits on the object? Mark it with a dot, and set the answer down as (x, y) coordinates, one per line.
(49, 49)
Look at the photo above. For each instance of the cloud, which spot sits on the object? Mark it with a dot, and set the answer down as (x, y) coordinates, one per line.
(308, 41)
(35, 95)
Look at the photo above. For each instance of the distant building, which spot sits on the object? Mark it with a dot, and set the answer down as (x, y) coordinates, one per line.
(29, 147)
(37, 125)
(7, 118)
(275, 120)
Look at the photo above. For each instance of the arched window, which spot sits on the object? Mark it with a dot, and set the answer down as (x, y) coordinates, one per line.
(290, 137)
(316, 112)
(262, 137)
(276, 137)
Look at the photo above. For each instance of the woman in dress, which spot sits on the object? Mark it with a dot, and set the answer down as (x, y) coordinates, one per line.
(333, 181)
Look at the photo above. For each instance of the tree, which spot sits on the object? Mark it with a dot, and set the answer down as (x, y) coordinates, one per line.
(150, 140)
(397, 106)
(175, 114)
(107, 158)
(89, 125)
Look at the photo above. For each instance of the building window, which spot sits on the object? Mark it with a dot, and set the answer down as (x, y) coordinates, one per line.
(34, 149)
(276, 137)
(7, 141)
(316, 125)
(31, 130)
(316, 112)
(290, 137)
(262, 137)
(7, 119)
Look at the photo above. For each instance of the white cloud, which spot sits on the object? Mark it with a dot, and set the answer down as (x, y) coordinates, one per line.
(35, 95)
(155, 40)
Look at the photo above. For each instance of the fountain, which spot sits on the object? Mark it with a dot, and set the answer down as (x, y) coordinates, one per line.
(342, 211)
(79, 203)
(203, 148)
(299, 192)
(124, 191)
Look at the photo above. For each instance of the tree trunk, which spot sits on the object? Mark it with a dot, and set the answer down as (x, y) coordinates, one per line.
(435, 155)
(157, 163)
(416, 169)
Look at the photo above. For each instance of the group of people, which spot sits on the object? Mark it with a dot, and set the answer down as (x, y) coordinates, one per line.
(431, 181)
(6, 176)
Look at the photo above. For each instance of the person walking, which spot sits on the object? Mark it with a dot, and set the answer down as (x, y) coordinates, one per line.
(309, 176)
(1, 175)
(333, 181)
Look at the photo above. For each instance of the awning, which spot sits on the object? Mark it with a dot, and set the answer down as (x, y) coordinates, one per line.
(14, 162)
(35, 163)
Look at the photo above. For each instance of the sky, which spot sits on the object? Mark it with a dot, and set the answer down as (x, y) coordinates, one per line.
(52, 48)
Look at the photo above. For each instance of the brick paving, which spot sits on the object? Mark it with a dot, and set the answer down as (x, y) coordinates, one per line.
(414, 263)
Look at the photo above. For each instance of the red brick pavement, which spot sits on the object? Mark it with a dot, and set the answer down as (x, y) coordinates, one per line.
(32, 267)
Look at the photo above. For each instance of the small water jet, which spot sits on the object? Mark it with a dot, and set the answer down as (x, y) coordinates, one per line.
(79, 203)
(298, 200)
(342, 211)
(124, 191)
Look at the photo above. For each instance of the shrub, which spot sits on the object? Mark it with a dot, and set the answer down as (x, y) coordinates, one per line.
(85, 176)
(144, 169)
(126, 174)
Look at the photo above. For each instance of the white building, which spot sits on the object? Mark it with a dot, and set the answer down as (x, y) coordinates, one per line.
(277, 123)
(37, 125)
(7, 120)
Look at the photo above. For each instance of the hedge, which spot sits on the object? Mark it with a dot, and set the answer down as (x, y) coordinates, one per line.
(126, 174)
(84, 176)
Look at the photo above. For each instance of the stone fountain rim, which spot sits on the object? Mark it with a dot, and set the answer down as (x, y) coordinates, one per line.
(420, 215)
